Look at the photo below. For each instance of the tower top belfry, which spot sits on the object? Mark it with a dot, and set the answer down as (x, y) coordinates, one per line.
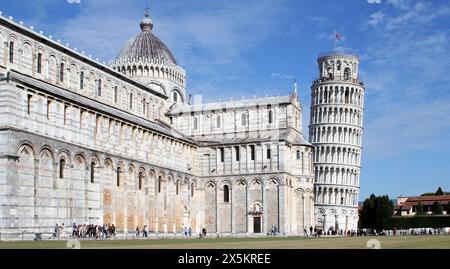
(338, 66)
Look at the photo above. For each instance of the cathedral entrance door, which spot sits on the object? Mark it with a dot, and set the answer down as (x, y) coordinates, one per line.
(257, 224)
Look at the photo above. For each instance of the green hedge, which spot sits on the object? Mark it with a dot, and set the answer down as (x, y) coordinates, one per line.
(431, 221)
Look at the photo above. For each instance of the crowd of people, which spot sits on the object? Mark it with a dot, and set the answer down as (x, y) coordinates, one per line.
(89, 231)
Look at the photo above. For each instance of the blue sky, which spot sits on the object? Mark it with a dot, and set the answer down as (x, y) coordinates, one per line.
(257, 47)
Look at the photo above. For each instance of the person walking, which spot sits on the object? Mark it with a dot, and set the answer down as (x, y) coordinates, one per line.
(137, 231)
(145, 231)
(74, 230)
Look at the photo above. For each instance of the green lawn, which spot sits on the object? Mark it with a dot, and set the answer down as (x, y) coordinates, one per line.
(397, 242)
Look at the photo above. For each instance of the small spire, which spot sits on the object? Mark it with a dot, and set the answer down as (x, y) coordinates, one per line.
(146, 22)
(295, 87)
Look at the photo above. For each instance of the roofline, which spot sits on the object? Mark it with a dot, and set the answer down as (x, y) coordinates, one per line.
(200, 108)
(120, 114)
(67, 50)
(336, 53)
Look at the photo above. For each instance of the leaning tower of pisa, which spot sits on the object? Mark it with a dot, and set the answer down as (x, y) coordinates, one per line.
(335, 130)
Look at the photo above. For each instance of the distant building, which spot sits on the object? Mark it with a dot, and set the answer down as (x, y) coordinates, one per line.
(407, 206)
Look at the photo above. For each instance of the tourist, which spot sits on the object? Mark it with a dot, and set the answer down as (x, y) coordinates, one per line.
(190, 231)
(74, 229)
(145, 231)
(62, 230)
(56, 231)
(137, 231)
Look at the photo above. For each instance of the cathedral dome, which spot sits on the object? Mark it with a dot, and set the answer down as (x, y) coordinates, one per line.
(146, 46)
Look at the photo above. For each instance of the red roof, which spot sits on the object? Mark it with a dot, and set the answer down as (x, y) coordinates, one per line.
(426, 200)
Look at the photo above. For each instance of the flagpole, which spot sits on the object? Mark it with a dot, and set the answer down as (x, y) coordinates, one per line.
(334, 49)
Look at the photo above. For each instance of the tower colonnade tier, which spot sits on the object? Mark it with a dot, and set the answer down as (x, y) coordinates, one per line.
(335, 130)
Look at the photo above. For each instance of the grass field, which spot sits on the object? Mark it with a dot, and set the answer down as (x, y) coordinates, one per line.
(398, 242)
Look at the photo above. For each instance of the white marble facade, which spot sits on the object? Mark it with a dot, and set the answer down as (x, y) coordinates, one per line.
(86, 142)
(336, 128)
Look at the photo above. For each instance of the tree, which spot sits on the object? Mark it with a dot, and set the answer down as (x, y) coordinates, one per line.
(437, 208)
(377, 210)
(384, 209)
(419, 210)
(367, 215)
(439, 191)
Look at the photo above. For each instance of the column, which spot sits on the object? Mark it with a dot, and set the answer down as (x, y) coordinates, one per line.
(217, 160)
(281, 207)
(303, 210)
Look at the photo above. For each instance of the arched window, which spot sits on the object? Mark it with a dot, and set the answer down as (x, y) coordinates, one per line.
(81, 80)
(92, 172)
(338, 65)
(131, 100)
(39, 63)
(298, 154)
(119, 171)
(160, 182)
(11, 52)
(99, 92)
(62, 164)
(116, 95)
(177, 187)
(29, 102)
(270, 116)
(192, 189)
(195, 123)
(61, 72)
(342, 200)
(175, 97)
(141, 178)
(244, 119)
(346, 73)
(330, 72)
(218, 121)
(226, 194)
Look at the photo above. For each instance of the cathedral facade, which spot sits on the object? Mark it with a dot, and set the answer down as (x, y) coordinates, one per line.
(121, 143)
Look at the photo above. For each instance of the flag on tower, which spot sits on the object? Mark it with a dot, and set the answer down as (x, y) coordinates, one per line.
(338, 36)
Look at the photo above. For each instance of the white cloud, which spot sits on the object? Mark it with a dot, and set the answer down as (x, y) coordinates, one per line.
(405, 127)
(215, 35)
(74, 1)
(401, 4)
(281, 76)
(376, 18)
(374, 1)
(406, 93)
(331, 36)
(407, 14)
